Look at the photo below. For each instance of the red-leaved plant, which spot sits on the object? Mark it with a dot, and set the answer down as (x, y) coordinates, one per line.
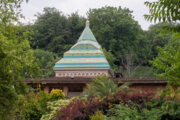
(81, 110)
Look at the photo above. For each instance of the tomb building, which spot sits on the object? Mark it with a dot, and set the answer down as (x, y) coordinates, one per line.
(84, 59)
(83, 62)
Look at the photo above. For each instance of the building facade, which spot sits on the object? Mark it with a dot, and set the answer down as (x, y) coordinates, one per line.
(84, 59)
(83, 62)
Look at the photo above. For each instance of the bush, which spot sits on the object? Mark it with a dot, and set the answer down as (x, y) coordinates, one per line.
(139, 98)
(32, 106)
(29, 108)
(121, 112)
(98, 116)
(56, 94)
(168, 110)
(103, 86)
(81, 110)
(53, 107)
(42, 101)
(164, 110)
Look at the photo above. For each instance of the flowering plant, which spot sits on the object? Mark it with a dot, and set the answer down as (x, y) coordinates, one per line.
(56, 94)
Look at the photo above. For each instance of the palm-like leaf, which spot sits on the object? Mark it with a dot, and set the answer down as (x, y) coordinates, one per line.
(103, 86)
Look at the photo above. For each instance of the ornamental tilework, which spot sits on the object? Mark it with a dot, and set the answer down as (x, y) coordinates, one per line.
(86, 54)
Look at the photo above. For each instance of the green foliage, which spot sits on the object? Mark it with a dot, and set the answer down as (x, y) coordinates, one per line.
(102, 86)
(56, 94)
(32, 106)
(157, 38)
(168, 62)
(10, 11)
(16, 57)
(111, 59)
(169, 110)
(41, 105)
(48, 23)
(28, 107)
(53, 108)
(159, 110)
(164, 10)
(168, 59)
(46, 61)
(121, 112)
(56, 32)
(98, 116)
(43, 98)
(117, 31)
(120, 35)
(144, 72)
(75, 26)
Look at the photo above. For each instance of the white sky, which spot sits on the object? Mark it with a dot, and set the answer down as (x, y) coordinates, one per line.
(82, 6)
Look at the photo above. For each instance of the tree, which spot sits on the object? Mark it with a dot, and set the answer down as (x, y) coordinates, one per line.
(75, 26)
(117, 31)
(168, 61)
(166, 11)
(48, 25)
(56, 32)
(15, 56)
(46, 61)
(157, 38)
(128, 61)
(111, 59)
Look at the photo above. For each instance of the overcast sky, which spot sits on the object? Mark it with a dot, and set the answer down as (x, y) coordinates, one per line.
(82, 6)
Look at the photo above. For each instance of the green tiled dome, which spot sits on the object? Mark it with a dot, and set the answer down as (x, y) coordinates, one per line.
(86, 54)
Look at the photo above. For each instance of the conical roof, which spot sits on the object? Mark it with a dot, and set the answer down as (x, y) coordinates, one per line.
(86, 54)
(87, 34)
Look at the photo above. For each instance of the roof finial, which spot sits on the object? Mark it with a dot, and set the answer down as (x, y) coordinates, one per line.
(87, 23)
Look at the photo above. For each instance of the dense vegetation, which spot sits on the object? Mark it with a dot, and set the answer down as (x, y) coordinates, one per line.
(31, 51)
(124, 104)
(127, 47)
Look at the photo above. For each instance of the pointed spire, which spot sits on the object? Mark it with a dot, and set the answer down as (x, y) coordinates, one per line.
(87, 33)
(87, 23)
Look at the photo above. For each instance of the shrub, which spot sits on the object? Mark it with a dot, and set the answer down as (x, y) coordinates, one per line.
(72, 111)
(98, 116)
(168, 110)
(159, 110)
(32, 106)
(53, 107)
(29, 108)
(56, 94)
(42, 101)
(81, 110)
(139, 98)
(103, 86)
(121, 112)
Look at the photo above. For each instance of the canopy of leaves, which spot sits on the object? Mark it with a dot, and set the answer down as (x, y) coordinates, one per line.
(16, 57)
(164, 10)
(46, 61)
(117, 31)
(157, 38)
(169, 110)
(168, 61)
(56, 32)
(111, 59)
